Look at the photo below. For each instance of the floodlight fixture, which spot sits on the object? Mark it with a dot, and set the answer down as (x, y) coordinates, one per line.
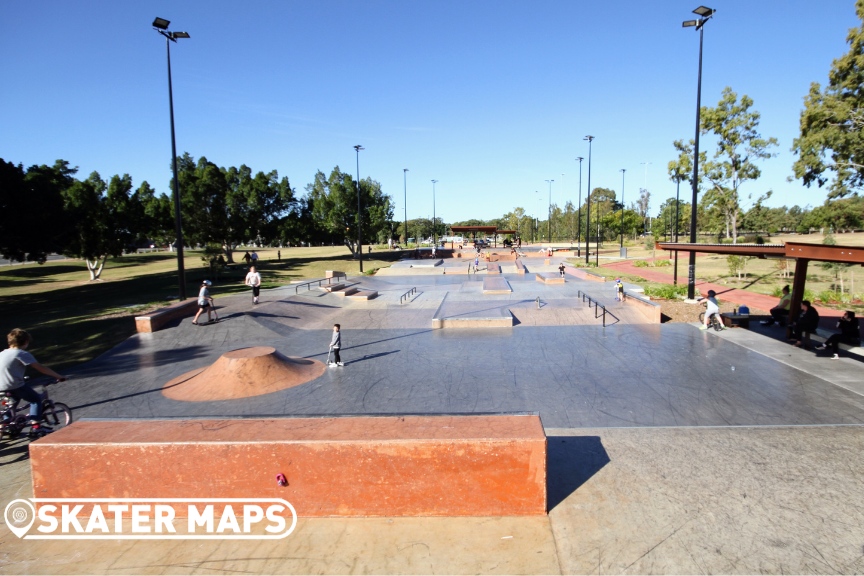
(704, 11)
(689, 23)
(180, 34)
(161, 23)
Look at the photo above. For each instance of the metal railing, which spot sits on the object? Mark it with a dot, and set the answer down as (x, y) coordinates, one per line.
(318, 282)
(407, 294)
(597, 307)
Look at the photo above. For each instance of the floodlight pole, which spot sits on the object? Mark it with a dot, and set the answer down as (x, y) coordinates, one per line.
(405, 178)
(161, 26)
(677, 203)
(579, 216)
(549, 217)
(590, 139)
(623, 171)
(705, 14)
(434, 234)
(357, 149)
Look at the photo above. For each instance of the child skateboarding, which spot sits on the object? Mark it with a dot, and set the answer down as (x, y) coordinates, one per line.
(335, 345)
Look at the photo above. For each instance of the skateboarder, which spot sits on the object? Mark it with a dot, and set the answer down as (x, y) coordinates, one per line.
(561, 270)
(253, 279)
(619, 290)
(335, 345)
(205, 302)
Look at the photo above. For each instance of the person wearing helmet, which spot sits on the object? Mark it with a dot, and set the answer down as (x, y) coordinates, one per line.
(205, 302)
(713, 307)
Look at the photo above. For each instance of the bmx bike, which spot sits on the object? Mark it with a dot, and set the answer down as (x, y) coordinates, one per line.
(15, 416)
(713, 322)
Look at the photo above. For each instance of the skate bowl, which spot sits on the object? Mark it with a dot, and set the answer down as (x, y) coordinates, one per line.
(349, 466)
(243, 373)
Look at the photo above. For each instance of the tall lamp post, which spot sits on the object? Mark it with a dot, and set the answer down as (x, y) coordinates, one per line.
(678, 177)
(590, 139)
(434, 231)
(549, 222)
(623, 171)
(405, 177)
(161, 26)
(579, 209)
(704, 14)
(357, 149)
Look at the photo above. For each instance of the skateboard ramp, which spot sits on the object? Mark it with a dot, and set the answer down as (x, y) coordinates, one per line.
(241, 374)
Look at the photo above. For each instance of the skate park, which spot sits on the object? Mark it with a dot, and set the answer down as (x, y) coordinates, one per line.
(669, 449)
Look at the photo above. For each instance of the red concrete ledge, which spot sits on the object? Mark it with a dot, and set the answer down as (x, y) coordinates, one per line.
(349, 466)
(158, 318)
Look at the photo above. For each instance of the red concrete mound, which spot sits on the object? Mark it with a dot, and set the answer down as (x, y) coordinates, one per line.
(243, 373)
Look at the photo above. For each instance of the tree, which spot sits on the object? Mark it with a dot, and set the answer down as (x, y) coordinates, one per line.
(97, 220)
(739, 146)
(32, 221)
(334, 202)
(831, 123)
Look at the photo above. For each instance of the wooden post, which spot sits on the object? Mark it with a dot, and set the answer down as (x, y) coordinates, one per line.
(798, 283)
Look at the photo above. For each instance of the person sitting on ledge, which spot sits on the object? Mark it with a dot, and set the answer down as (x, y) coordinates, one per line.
(780, 312)
(805, 325)
(850, 333)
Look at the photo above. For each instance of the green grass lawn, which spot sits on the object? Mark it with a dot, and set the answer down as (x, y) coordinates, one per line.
(73, 320)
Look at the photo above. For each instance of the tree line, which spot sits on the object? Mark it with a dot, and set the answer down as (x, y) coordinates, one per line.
(46, 209)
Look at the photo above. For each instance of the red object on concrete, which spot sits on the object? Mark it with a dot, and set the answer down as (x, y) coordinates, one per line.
(348, 466)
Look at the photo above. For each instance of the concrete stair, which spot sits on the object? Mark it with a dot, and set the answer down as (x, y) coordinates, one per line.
(363, 295)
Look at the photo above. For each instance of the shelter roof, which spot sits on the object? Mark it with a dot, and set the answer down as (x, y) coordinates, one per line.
(803, 250)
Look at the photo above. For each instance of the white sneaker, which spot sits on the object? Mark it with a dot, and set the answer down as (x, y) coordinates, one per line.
(703, 327)
(332, 364)
(340, 364)
(835, 357)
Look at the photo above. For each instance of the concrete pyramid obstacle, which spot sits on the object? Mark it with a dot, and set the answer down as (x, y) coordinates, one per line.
(241, 374)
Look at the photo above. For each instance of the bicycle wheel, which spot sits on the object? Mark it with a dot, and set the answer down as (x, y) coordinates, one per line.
(702, 317)
(56, 414)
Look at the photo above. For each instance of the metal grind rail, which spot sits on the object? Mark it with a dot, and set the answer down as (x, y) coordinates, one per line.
(597, 307)
(308, 284)
(407, 294)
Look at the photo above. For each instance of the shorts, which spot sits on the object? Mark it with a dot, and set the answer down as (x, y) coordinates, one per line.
(203, 306)
(256, 290)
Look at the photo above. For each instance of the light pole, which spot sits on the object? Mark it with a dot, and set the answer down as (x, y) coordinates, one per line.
(434, 231)
(405, 177)
(579, 216)
(590, 139)
(704, 14)
(357, 149)
(161, 26)
(678, 176)
(549, 222)
(623, 171)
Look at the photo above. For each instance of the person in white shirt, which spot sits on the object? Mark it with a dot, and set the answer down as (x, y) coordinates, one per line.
(253, 279)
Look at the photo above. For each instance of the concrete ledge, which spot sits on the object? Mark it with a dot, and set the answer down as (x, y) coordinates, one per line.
(158, 318)
(497, 285)
(363, 295)
(651, 310)
(549, 277)
(520, 267)
(469, 465)
(346, 291)
(493, 269)
(334, 274)
(332, 287)
(502, 322)
(821, 335)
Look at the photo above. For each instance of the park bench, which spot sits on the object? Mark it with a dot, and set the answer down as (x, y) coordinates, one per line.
(158, 318)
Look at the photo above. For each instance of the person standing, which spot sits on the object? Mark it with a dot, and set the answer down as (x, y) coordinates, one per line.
(13, 364)
(278, 255)
(336, 345)
(247, 257)
(254, 258)
(561, 270)
(619, 290)
(253, 279)
(205, 302)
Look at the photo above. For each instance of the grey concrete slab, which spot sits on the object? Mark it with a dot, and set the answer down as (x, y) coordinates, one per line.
(708, 500)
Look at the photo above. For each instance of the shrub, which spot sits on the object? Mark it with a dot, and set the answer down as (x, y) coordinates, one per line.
(666, 291)
(640, 264)
(662, 263)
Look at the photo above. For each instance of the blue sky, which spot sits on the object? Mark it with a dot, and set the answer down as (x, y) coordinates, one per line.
(491, 98)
